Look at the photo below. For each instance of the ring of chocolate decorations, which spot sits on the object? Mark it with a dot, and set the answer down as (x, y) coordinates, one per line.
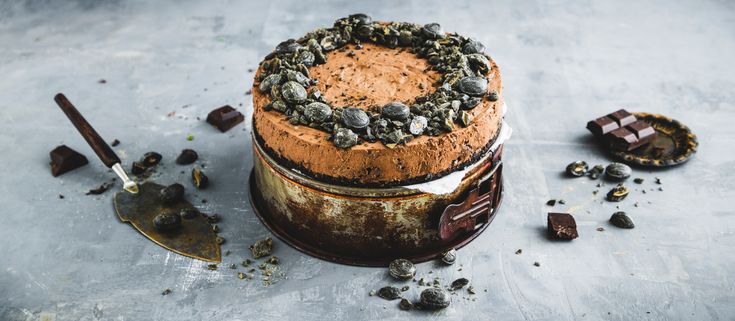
(460, 61)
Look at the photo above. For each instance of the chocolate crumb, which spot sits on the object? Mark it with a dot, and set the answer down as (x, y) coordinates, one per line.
(551, 202)
(115, 143)
(519, 251)
(536, 264)
(61, 196)
(101, 189)
(166, 292)
(102, 81)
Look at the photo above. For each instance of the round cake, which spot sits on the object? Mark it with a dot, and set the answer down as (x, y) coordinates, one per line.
(377, 104)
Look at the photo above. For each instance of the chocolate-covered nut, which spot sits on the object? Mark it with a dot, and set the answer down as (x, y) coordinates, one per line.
(396, 111)
(317, 112)
(172, 193)
(225, 118)
(618, 193)
(151, 159)
(345, 138)
(187, 157)
(64, 159)
(621, 220)
(167, 221)
(355, 118)
(138, 168)
(293, 92)
(188, 213)
(473, 86)
(473, 47)
(200, 180)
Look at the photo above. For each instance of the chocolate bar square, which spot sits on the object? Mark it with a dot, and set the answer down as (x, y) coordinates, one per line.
(610, 122)
(622, 117)
(561, 226)
(632, 136)
(225, 118)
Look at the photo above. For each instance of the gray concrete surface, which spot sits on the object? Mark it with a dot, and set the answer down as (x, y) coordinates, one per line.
(563, 62)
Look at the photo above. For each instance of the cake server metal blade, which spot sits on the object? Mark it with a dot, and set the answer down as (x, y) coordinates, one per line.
(195, 238)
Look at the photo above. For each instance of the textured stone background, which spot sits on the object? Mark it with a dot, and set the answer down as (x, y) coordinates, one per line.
(563, 63)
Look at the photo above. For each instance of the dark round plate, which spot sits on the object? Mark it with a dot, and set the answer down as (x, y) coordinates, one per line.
(674, 144)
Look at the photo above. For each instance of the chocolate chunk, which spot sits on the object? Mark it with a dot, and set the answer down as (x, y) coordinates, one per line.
(562, 226)
(187, 157)
(631, 136)
(64, 159)
(610, 122)
(225, 118)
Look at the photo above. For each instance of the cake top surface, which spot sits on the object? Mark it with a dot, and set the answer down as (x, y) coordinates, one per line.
(373, 76)
(365, 81)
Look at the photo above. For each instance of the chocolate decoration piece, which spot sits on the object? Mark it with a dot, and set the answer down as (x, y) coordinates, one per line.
(631, 136)
(64, 159)
(562, 226)
(225, 118)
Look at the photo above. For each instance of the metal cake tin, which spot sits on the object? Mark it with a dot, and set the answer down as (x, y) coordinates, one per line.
(372, 226)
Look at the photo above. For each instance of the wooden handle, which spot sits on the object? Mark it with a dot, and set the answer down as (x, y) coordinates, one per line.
(100, 147)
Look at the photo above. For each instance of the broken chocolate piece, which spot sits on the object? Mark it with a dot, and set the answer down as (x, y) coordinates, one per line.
(187, 157)
(64, 159)
(562, 226)
(101, 189)
(225, 118)
(632, 136)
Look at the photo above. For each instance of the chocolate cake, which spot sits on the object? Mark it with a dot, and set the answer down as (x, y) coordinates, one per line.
(377, 103)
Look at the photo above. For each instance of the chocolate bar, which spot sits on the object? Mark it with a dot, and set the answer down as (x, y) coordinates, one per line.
(632, 136)
(225, 118)
(561, 226)
(622, 131)
(610, 122)
(64, 159)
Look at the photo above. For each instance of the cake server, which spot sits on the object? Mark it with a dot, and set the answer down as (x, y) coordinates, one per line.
(139, 205)
(99, 146)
